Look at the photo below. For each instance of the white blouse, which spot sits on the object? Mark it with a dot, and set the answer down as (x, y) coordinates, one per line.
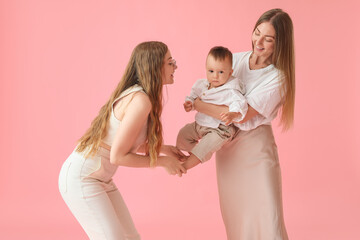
(262, 90)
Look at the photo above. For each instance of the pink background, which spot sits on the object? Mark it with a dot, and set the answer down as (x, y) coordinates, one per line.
(60, 60)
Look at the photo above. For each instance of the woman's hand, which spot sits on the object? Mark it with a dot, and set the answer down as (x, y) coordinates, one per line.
(228, 117)
(171, 165)
(173, 151)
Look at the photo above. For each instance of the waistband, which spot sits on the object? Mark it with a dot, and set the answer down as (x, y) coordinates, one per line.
(104, 152)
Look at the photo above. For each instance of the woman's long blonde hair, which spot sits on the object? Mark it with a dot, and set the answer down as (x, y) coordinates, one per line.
(283, 59)
(144, 68)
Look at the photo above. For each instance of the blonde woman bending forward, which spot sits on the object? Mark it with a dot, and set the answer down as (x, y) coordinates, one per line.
(128, 123)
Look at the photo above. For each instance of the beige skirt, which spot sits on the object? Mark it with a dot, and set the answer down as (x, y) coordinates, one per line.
(249, 182)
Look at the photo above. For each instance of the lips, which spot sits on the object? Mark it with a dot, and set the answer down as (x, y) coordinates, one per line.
(257, 47)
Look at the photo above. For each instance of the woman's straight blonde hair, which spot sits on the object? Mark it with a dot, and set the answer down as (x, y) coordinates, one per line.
(145, 69)
(283, 59)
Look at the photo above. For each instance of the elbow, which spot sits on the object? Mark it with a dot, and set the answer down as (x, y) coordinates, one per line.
(118, 160)
(113, 160)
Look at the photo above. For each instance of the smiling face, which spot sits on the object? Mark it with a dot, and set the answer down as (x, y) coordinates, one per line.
(263, 39)
(168, 69)
(218, 71)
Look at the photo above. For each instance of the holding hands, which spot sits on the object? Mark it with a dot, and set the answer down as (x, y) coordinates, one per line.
(173, 161)
(173, 151)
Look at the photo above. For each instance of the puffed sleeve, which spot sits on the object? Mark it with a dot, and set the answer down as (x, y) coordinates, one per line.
(238, 59)
(266, 97)
(237, 102)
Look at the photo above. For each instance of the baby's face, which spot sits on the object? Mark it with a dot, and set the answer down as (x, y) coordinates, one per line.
(218, 71)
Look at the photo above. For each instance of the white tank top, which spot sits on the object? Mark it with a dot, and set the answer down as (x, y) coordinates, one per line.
(114, 123)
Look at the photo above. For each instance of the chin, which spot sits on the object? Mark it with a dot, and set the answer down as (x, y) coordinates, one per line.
(169, 82)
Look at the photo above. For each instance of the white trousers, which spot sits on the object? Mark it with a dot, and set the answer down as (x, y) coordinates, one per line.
(87, 188)
(249, 182)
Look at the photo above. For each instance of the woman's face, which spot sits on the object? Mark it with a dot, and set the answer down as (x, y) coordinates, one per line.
(168, 69)
(263, 39)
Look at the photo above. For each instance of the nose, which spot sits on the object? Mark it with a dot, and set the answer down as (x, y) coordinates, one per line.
(216, 75)
(260, 40)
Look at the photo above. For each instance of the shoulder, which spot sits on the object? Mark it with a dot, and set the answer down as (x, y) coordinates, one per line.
(141, 99)
(270, 76)
(236, 86)
(267, 83)
(240, 56)
(137, 107)
(200, 83)
(233, 82)
(240, 63)
(134, 103)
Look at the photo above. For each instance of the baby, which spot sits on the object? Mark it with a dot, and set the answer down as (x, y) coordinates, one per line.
(220, 88)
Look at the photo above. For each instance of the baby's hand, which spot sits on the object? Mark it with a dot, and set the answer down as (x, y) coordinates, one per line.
(188, 106)
(228, 117)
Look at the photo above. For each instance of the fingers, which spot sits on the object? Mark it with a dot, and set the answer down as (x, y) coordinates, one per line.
(187, 106)
(181, 171)
(223, 115)
(180, 153)
(174, 167)
(226, 117)
(177, 153)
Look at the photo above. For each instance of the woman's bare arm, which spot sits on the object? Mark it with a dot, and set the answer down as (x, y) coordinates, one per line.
(250, 114)
(134, 119)
(129, 129)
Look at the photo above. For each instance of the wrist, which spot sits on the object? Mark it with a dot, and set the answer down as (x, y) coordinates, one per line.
(195, 105)
(160, 162)
(164, 149)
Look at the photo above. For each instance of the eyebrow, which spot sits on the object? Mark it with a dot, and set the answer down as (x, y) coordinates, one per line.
(169, 58)
(266, 35)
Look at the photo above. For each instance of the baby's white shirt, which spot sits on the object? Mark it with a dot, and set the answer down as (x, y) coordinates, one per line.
(229, 94)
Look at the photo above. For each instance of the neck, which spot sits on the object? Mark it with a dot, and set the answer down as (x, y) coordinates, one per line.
(211, 86)
(258, 62)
